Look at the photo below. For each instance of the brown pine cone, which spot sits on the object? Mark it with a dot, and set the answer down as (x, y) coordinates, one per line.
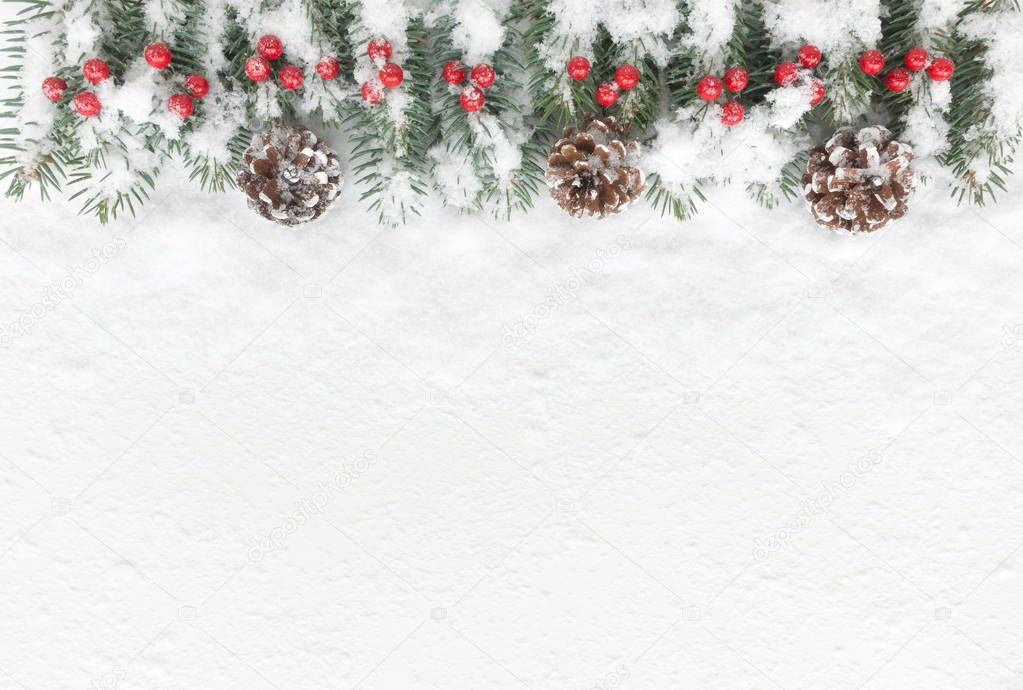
(289, 175)
(593, 172)
(859, 181)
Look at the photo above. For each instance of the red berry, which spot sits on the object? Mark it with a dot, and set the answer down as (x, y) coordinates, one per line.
(158, 55)
(257, 68)
(872, 62)
(290, 77)
(709, 87)
(732, 113)
(390, 75)
(810, 56)
(941, 69)
(371, 91)
(53, 88)
(897, 79)
(181, 104)
(270, 47)
(786, 73)
(607, 93)
(379, 49)
(578, 67)
(736, 79)
(627, 77)
(87, 104)
(916, 59)
(482, 75)
(817, 91)
(95, 70)
(328, 68)
(197, 85)
(472, 99)
(454, 73)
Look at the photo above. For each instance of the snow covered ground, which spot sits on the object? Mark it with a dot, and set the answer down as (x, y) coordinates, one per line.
(734, 453)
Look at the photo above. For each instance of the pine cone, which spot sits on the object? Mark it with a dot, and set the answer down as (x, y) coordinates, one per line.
(289, 175)
(859, 181)
(593, 171)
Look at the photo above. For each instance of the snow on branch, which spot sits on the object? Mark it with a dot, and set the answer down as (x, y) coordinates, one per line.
(840, 29)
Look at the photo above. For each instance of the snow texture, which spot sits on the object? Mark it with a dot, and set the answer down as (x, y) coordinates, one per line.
(840, 29)
(455, 177)
(639, 27)
(1001, 32)
(36, 116)
(81, 32)
(935, 16)
(642, 26)
(479, 28)
(711, 24)
(754, 153)
(288, 20)
(736, 453)
(927, 129)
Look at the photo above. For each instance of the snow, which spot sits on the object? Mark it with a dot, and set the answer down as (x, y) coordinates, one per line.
(160, 15)
(506, 151)
(575, 29)
(289, 21)
(935, 16)
(36, 116)
(642, 27)
(927, 129)
(479, 28)
(81, 33)
(839, 29)
(383, 17)
(215, 15)
(1001, 32)
(710, 28)
(753, 152)
(788, 104)
(455, 177)
(546, 453)
(222, 114)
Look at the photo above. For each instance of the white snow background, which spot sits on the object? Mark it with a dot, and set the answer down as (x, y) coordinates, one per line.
(738, 452)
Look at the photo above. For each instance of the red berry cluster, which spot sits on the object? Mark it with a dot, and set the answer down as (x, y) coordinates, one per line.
(788, 73)
(290, 76)
(481, 77)
(710, 87)
(95, 71)
(86, 103)
(626, 78)
(258, 67)
(915, 60)
(159, 56)
(390, 74)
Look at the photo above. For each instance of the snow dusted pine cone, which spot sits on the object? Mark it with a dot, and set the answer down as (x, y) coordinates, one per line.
(593, 171)
(289, 175)
(859, 181)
